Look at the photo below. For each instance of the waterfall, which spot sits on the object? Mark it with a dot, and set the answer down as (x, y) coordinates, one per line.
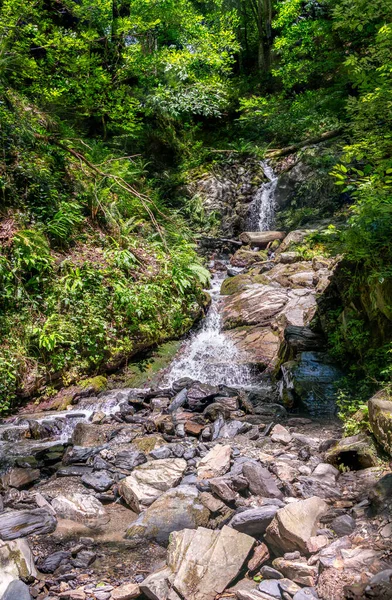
(209, 355)
(262, 210)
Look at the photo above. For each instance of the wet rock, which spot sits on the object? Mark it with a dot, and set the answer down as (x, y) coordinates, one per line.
(82, 508)
(294, 525)
(356, 452)
(149, 480)
(128, 591)
(199, 395)
(215, 463)
(176, 509)
(296, 570)
(179, 400)
(17, 590)
(16, 561)
(380, 419)
(21, 523)
(343, 525)
(280, 434)
(204, 562)
(20, 478)
(100, 481)
(53, 561)
(254, 521)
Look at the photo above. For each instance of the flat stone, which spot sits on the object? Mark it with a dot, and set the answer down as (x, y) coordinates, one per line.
(294, 525)
(177, 509)
(20, 478)
(128, 591)
(149, 480)
(269, 573)
(21, 523)
(270, 587)
(100, 481)
(298, 571)
(192, 428)
(260, 556)
(81, 508)
(156, 585)
(216, 463)
(204, 562)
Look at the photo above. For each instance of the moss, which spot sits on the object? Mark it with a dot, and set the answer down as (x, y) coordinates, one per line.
(232, 285)
(98, 383)
(147, 371)
(146, 444)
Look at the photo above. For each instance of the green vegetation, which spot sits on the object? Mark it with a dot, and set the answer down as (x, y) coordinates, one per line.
(109, 107)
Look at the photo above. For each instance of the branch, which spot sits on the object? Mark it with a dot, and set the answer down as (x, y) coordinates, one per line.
(275, 153)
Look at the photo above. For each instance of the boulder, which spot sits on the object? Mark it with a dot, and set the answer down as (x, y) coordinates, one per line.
(260, 480)
(246, 257)
(156, 585)
(100, 481)
(81, 508)
(204, 562)
(356, 452)
(20, 478)
(254, 521)
(177, 509)
(380, 419)
(17, 590)
(216, 463)
(16, 561)
(343, 525)
(199, 395)
(280, 434)
(21, 523)
(149, 480)
(127, 460)
(294, 525)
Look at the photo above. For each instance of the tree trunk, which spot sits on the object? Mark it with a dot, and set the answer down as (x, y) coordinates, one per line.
(314, 140)
(261, 239)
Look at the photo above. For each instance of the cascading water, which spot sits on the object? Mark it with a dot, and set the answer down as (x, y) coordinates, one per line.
(262, 210)
(209, 355)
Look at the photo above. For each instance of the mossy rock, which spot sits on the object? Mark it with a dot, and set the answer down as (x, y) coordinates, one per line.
(98, 383)
(380, 419)
(244, 257)
(353, 453)
(62, 402)
(147, 444)
(235, 284)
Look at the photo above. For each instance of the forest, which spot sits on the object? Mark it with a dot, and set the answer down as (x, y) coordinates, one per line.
(109, 108)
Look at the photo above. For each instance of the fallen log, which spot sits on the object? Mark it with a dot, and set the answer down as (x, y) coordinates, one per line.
(211, 242)
(275, 153)
(261, 239)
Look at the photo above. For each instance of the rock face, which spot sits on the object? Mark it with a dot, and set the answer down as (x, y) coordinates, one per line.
(149, 480)
(294, 525)
(16, 561)
(380, 419)
(179, 508)
(204, 562)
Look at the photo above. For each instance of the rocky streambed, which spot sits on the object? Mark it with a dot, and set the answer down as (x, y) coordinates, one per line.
(229, 480)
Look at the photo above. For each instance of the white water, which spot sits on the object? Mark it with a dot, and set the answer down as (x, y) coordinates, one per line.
(209, 355)
(262, 212)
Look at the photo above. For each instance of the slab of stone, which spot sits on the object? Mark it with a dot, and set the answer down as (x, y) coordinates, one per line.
(216, 463)
(204, 562)
(296, 570)
(100, 481)
(260, 556)
(128, 591)
(177, 509)
(149, 480)
(294, 525)
(17, 590)
(280, 434)
(20, 478)
(21, 523)
(81, 508)
(156, 585)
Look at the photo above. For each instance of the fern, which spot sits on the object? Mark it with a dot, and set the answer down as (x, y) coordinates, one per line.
(63, 224)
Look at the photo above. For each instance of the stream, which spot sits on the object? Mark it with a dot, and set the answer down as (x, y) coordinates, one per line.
(204, 465)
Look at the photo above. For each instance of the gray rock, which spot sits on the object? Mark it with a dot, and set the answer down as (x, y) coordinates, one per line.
(254, 521)
(17, 590)
(178, 401)
(269, 573)
(343, 525)
(21, 523)
(84, 559)
(79, 454)
(127, 460)
(271, 587)
(162, 452)
(53, 561)
(201, 394)
(177, 509)
(260, 481)
(307, 593)
(81, 508)
(100, 481)
(380, 585)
